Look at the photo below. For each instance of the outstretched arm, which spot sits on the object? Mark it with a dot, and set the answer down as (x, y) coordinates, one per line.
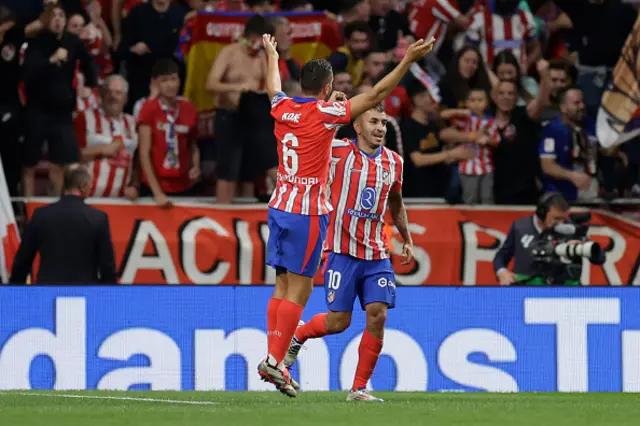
(400, 220)
(378, 93)
(274, 85)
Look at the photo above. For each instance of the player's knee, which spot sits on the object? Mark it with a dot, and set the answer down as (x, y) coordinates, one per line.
(337, 322)
(376, 316)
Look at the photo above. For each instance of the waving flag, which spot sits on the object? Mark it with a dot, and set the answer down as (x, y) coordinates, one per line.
(204, 36)
(8, 230)
(622, 97)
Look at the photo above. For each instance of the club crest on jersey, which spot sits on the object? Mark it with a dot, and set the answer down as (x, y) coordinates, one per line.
(331, 296)
(386, 177)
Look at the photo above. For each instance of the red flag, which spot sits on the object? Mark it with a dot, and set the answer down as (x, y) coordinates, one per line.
(8, 230)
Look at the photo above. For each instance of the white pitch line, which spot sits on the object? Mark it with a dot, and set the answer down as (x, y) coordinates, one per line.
(116, 398)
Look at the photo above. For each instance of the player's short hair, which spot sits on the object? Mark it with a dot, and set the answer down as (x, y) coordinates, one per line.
(562, 93)
(75, 177)
(314, 75)
(356, 27)
(257, 25)
(163, 67)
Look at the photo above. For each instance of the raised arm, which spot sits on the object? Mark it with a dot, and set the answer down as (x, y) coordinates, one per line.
(379, 92)
(274, 85)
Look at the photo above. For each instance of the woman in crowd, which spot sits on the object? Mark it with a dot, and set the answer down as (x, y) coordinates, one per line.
(506, 67)
(466, 72)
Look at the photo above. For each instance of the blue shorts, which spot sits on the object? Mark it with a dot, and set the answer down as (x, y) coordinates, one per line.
(295, 241)
(346, 277)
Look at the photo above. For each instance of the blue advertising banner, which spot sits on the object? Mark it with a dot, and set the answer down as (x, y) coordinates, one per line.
(212, 338)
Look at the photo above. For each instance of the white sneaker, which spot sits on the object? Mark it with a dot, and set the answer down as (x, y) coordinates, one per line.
(277, 375)
(362, 395)
(294, 349)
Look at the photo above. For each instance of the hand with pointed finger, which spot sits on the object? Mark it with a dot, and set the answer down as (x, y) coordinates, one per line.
(270, 45)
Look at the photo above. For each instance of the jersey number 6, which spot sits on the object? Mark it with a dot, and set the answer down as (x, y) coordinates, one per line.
(289, 154)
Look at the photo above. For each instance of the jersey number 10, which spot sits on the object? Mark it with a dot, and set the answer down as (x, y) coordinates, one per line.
(289, 154)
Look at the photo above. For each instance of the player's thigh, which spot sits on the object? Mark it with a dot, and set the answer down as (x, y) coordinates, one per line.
(301, 241)
(228, 145)
(377, 284)
(274, 242)
(62, 142)
(341, 276)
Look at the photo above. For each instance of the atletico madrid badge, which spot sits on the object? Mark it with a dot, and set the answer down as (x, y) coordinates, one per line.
(331, 296)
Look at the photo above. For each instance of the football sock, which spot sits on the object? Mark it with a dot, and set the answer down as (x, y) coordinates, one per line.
(272, 318)
(289, 315)
(368, 353)
(312, 329)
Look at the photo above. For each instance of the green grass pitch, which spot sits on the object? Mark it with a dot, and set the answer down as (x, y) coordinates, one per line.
(31, 408)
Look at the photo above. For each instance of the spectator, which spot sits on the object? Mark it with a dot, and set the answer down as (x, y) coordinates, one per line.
(480, 134)
(431, 19)
(72, 238)
(11, 38)
(350, 56)
(237, 78)
(108, 141)
(506, 67)
(49, 68)
(296, 6)
(569, 149)
(354, 11)
(505, 26)
(289, 66)
(516, 162)
(86, 97)
(167, 126)
(558, 79)
(600, 29)
(342, 82)
(374, 65)
(150, 33)
(466, 71)
(388, 25)
(426, 173)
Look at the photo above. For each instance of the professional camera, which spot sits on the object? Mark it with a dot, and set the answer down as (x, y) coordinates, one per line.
(558, 253)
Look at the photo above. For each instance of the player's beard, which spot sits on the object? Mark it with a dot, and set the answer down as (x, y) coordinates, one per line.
(328, 96)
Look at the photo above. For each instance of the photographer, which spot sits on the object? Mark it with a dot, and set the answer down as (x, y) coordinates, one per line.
(553, 209)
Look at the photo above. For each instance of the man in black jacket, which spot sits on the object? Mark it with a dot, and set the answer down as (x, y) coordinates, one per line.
(48, 71)
(553, 209)
(73, 239)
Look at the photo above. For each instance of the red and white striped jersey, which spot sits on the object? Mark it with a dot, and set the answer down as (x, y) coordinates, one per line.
(110, 175)
(493, 33)
(86, 104)
(483, 161)
(430, 18)
(360, 187)
(304, 128)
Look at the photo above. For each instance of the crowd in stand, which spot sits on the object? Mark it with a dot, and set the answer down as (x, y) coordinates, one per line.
(503, 109)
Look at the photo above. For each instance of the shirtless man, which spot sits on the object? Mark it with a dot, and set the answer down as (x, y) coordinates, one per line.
(245, 143)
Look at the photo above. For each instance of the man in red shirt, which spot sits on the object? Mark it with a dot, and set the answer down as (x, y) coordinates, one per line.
(169, 156)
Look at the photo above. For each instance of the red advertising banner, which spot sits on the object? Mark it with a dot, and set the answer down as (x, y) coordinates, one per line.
(202, 244)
